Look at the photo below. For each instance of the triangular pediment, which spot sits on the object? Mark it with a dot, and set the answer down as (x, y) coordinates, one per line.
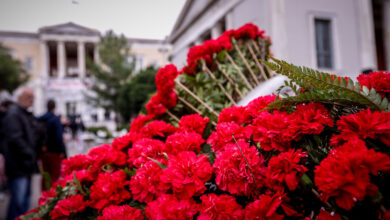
(69, 28)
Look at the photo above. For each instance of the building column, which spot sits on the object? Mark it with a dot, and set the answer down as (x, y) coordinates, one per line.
(367, 35)
(96, 55)
(279, 29)
(81, 58)
(44, 59)
(229, 20)
(61, 59)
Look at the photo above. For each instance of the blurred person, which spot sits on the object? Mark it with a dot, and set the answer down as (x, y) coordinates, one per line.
(20, 151)
(3, 178)
(54, 148)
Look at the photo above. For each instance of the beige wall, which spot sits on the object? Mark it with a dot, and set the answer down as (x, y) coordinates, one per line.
(23, 49)
(151, 53)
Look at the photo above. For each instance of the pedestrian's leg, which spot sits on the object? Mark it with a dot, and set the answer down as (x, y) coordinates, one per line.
(19, 188)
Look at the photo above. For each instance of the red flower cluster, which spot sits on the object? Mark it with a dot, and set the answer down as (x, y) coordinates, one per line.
(248, 31)
(223, 135)
(380, 81)
(187, 174)
(344, 174)
(179, 142)
(277, 130)
(78, 162)
(285, 169)
(144, 149)
(363, 125)
(146, 185)
(169, 207)
(139, 122)
(264, 208)
(66, 207)
(257, 105)
(157, 128)
(273, 131)
(121, 212)
(106, 155)
(206, 50)
(193, 123)
(234, 175)
(235, 114)
(109, 189)
(221, 207)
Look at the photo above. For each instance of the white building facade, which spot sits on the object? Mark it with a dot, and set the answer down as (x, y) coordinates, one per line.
(338, 36)
(56, 57)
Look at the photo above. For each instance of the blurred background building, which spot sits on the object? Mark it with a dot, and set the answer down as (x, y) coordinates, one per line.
(338, 36)
(56, 57)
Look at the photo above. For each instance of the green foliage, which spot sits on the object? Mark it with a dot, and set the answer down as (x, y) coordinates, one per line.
(133, 95)
(325, 88)
(12, 74)
(112, 73)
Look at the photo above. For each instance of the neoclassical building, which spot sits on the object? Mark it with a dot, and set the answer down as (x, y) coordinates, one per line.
(55, 57)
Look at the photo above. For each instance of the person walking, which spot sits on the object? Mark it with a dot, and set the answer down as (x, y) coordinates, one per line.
(20, 151)
(54, 149)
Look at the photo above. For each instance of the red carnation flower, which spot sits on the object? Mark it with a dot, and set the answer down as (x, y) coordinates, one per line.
(66, 207)
(380, 81)
(285, 168)
(155, 107)
(187, 174)
(225, 39)
(248, 31)
(158, 128)
(324, 215)
(193, 123)
(221, 207)
(365, 124)
(78, 162)
(223, 135)
(165, 79)
(139, 122)
(106, 155)
(121, 212)
(264, 208)
(146, 184)
(179, 142)
(46, 195)
(144, 148)
(344, 174)
(274, 131)
(257, 105)
(311, 118)
(122, 142)
(169, 207)
(235, 114)
(109, 189)
(232, 172)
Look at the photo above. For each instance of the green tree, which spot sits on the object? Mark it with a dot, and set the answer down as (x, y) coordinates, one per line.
(135, 93)
(112, 73)
(12, 74)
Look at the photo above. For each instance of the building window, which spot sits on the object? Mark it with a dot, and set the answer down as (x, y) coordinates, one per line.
(323, 36)
(28, 64)
(71, 108)
(139, 63)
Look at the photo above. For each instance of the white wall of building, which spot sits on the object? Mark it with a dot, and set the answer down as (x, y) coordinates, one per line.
(290, 23)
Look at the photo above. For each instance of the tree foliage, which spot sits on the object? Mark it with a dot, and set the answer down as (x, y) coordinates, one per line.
(134, 94)
(112, 72)
(12, 74)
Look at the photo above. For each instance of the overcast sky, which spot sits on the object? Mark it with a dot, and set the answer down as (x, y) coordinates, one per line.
(135, 18)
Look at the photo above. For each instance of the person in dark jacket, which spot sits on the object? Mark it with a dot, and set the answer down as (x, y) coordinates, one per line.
(19, 151)
(54, 149)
